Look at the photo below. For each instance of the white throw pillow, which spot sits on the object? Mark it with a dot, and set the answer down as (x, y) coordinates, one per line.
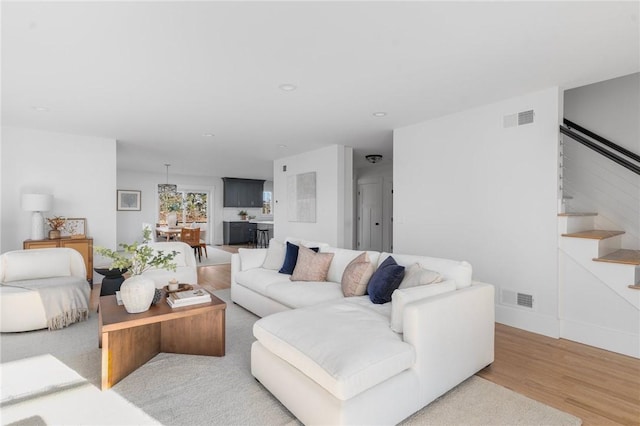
(275, 255)
(415, 275)
(34, 264)
(402, 297)
(251, 258)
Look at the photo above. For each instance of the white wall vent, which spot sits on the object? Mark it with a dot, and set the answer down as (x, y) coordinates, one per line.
(514, 298)
(518, 119)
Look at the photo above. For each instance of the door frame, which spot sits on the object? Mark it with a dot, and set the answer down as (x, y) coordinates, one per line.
(387, 209)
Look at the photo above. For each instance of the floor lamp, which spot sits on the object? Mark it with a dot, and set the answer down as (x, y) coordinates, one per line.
(37, 203)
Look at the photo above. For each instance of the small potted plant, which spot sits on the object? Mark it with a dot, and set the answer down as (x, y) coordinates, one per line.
(243, 214)
(56, 224)
(137, 291)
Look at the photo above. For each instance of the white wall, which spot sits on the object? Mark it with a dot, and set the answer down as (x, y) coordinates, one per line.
(79, 171)
(334, 196)
(130, 222)
(611, 109)
(466, 188)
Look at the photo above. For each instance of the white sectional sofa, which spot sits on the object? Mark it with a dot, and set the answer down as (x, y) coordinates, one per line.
(332, 359)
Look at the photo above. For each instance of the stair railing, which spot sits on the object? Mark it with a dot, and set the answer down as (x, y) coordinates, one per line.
(618, 156)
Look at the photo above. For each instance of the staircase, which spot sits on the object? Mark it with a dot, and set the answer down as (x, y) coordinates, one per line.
(599, 279)
(609, 274)
(600, 253)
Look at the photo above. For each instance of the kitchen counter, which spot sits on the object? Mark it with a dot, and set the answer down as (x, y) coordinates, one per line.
(244, 231)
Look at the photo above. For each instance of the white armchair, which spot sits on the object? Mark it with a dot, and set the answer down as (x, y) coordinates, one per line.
(187, 268)
(42, 288)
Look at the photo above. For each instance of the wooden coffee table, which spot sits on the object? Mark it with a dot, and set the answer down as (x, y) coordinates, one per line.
(130, 340)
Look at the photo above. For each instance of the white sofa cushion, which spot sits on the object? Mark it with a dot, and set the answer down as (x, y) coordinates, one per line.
(357, 349)
(460, 271)
(259, 279)
(402, 297)
(383, 309)
(251, 258)
(34, 264)
(298, 294)
(275, 255)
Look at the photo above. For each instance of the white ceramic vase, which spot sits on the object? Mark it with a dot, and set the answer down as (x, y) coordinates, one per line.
(137, 293)
(172, 218)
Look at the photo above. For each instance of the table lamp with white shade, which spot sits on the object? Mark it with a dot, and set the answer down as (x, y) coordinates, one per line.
(37, 203)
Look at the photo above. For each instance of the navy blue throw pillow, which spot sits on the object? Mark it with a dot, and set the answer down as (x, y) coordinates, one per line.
(291, 258)
(385, 280)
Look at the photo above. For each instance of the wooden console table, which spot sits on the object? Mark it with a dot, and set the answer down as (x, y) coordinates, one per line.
(84, 246)
(130, 340)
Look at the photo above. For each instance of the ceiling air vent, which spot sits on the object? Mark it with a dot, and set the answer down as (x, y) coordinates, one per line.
(518, 119)
(514, 298)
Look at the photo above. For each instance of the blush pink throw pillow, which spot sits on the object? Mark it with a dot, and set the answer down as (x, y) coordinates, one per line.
(311, 266)
(356, 276)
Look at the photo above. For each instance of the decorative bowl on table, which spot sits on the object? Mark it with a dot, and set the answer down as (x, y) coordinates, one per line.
(181, 287)
(113, 273)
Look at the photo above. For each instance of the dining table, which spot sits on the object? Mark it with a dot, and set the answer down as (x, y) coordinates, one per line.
(170, 232)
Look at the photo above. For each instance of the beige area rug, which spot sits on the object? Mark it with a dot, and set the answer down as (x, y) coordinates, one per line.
(198, 390)
(215, 257)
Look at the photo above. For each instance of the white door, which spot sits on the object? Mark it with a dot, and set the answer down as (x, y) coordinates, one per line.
(370, 216)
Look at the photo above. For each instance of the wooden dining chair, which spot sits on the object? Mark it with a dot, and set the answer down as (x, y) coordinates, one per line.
(191, 236)
(203, 244)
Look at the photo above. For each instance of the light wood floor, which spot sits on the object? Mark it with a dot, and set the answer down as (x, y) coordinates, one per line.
(600, 387)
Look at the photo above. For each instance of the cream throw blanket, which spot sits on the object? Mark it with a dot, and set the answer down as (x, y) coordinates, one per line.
(65, 299)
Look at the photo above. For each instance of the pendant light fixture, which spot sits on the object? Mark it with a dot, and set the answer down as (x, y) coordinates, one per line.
(167, 188)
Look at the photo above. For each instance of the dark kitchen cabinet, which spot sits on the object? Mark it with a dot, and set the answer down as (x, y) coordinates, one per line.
(243, 192)
(238, 232)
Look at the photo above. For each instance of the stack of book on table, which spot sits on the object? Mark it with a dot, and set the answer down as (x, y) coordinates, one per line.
(179, 299)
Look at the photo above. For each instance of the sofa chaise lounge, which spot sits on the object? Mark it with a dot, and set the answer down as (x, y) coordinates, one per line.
(332, 359)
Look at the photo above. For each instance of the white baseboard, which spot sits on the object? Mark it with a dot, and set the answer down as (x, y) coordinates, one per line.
(601, 337)
(528, 320)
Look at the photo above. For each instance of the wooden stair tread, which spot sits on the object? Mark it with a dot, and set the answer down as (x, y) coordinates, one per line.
(570, 214)
(594, 234)
(628, 257)
(635, 287)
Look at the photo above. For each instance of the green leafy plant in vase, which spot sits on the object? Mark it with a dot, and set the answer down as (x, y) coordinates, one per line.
(137, 292)
(243, 214)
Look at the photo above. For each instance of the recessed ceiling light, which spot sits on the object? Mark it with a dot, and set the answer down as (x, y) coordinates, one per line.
(40, 108)
(288, 87)
(282, 146)
(208, 135)
(379, 114)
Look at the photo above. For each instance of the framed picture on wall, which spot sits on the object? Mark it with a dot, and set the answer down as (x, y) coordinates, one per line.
(74, 227)
(128, 200)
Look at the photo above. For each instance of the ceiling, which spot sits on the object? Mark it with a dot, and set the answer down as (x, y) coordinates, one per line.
(158, 76)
